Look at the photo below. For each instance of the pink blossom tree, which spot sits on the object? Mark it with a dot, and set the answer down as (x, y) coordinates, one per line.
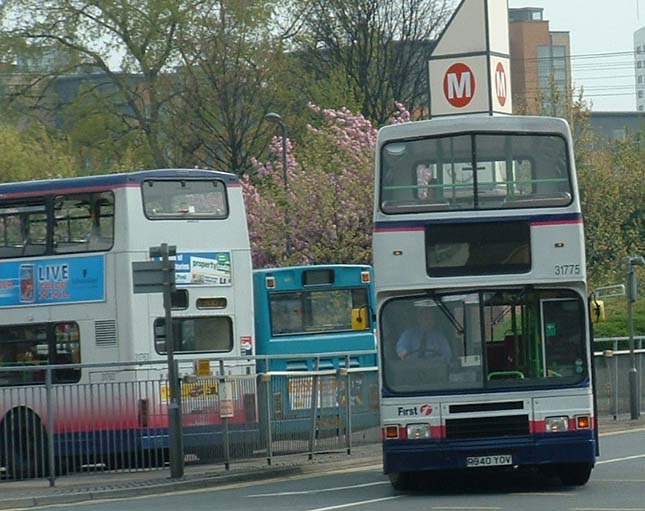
(324, 215)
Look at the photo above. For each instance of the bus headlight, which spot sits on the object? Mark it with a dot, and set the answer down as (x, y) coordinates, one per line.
(418, 431)
(556, 424)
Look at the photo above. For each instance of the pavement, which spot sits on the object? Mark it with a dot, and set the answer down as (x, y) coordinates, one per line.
(111, 485)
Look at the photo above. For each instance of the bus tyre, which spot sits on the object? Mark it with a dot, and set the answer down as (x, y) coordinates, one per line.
(400, 480)
(575, 474)
(27, 451)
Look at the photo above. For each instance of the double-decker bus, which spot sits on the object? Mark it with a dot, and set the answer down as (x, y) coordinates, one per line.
(316, 318)
(66, 297)
(478, 227)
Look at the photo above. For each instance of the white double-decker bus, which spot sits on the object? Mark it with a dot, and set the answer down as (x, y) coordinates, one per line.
(67, 297)
(478, 227)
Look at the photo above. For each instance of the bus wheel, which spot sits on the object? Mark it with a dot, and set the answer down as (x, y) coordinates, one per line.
(27, 450)
(575, 474)
(400, 481)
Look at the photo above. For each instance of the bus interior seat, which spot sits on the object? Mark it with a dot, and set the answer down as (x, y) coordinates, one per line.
(496, 356)
(512, 343)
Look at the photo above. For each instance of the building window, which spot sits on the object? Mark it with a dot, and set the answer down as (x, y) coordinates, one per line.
(640, 108)
(640, 79)
(639, 49)
(640, 93)
(639, 64)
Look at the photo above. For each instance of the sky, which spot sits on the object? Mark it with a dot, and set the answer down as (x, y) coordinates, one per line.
(602, 45)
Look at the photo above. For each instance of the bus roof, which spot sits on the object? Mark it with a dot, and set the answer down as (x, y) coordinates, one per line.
(474, 123)
(358, 267)
(105, 181)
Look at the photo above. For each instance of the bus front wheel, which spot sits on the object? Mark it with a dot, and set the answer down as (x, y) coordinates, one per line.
(400, 481)
(575, 474)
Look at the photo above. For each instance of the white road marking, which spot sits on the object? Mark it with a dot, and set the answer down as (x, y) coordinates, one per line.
(352, 504)
(318, 490)
(639, 481)
(616, 460)
(213, 489)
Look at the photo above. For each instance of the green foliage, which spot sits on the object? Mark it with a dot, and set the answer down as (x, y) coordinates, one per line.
(226, 85)
(100, 139)
(610, 180)
(617, 316)
(32, 155)
(613, 200)
(79, 35)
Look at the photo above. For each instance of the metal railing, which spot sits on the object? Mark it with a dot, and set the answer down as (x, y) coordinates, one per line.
(116, 417)
(612, 367)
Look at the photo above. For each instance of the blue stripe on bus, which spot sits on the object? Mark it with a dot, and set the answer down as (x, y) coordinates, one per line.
(418, 225)
(106, 182)
(112, 443)
(531, 450)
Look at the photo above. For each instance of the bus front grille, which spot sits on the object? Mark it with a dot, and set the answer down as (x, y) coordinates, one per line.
(483, 427)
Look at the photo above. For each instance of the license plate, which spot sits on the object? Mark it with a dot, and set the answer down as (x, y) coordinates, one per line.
(489, 461)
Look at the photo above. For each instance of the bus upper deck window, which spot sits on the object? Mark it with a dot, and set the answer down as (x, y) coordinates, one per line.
(180, 199)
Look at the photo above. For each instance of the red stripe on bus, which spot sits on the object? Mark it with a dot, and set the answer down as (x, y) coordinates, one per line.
(438, 431)
(556, 222)
(540, 427)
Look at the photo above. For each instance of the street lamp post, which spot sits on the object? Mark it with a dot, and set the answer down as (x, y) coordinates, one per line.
(632, 295)
(277, 119)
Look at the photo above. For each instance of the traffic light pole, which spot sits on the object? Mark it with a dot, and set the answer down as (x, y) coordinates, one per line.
(632, 295)
(175, 438)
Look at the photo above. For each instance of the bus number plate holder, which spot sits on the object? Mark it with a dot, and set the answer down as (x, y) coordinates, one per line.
(495, 460)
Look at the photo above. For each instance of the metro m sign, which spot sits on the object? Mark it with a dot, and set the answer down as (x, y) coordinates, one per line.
(459, 85)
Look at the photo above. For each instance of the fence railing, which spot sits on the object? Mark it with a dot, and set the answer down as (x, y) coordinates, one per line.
(116, 417)
(612, 366)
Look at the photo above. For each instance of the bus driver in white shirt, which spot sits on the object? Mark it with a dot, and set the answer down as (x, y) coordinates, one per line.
(425, 340)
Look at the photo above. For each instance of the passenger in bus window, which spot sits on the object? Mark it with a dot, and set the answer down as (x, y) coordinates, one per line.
(424, 340)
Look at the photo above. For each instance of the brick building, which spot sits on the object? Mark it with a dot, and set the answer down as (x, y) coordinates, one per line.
(540, 61)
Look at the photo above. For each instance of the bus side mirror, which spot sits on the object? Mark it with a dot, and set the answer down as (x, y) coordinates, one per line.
(360, 319)
(598, 311)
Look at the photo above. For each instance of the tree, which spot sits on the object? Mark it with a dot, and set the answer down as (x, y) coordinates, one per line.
(230, 64)
(132, 43)
(100, 141)
(613, 201)
(375, 50)
(30, 155)
(324, 214)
